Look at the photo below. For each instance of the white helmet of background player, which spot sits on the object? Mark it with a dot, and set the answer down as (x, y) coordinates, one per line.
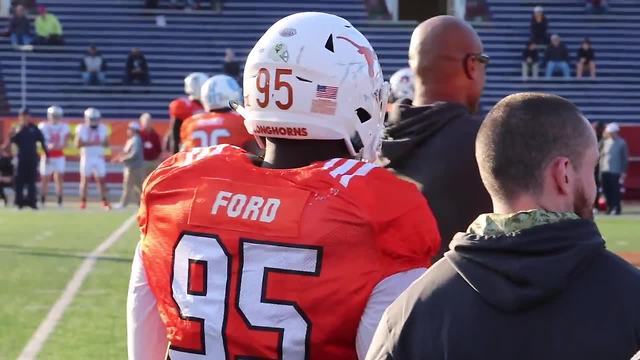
(92, 116)
(193, 83)
(54, 113)
(218, 91)
(402, 84)
(314, 76)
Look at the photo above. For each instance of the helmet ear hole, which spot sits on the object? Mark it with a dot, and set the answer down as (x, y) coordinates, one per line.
(356, 141)
(329, 44)
(363, 115)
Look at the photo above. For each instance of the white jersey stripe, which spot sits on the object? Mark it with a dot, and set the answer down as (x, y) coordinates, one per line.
(219, 149)
(329, 164)
(344, 168)
(364, 170)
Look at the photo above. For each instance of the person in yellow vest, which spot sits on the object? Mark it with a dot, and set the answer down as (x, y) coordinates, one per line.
(48, 28)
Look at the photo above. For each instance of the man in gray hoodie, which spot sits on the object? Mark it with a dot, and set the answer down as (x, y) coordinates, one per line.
(432, 140)
(133, 159)
(533, 280)
(614, 161)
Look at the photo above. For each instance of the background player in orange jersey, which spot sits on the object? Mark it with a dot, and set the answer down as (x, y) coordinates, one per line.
(183, 108)
(295, 258)
(219, 124)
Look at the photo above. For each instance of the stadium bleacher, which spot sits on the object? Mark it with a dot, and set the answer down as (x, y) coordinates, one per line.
(198, 40)
(613, 96)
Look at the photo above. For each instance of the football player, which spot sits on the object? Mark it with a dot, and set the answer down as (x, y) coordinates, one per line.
(219, 124)
(402, 84)
(92, 139)
(183, 108)
(56, 134)
(295, 257)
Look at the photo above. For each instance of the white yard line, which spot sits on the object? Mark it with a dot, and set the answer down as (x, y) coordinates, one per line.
(49, 323)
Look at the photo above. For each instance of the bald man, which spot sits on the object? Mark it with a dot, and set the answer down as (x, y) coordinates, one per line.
(432, 140)
(532, 280)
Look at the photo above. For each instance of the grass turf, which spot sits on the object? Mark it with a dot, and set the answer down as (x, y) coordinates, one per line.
(39, 252)
(94, 326)
(622, 234)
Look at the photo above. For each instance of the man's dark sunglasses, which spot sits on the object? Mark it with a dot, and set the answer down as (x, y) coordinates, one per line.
(481, 58)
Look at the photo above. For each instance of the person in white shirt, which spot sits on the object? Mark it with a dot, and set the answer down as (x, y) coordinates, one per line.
(92, 139)
(56, 134)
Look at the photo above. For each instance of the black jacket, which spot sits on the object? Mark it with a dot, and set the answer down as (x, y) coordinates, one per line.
(557, 53)
(19, 25)
(137, 62)
(26, 139)
(435, 147)
(539, 30)
(550, 292)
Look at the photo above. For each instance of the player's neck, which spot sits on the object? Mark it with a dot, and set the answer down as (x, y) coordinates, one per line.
(291, 154)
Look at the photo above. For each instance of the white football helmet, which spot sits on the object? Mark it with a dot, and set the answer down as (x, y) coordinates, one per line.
(402, 84)
(92, 115)
(54, 113)
(314, 76)
(218, 91)
(193, 83)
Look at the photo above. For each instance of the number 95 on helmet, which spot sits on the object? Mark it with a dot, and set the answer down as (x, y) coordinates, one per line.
(314, 76)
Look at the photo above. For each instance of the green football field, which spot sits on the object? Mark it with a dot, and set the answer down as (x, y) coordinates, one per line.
(40, 251)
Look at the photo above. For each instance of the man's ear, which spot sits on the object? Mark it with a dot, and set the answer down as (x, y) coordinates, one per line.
(469, 67)
(559, 170)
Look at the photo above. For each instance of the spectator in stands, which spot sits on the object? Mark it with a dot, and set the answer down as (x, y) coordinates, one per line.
(137, 70)
(133, 159)
(151, 143)
(539, 26)
(614, 160)
(48, 28)
(557, 56)
(231, 67)
(530, 61)
(432, 141)
(596, 6)
(6, 174)
(20, 28)
(93, 67)
(586, 59)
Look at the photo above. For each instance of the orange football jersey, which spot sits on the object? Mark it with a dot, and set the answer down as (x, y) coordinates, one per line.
(210, 129)
(183, 108)
(249, 262)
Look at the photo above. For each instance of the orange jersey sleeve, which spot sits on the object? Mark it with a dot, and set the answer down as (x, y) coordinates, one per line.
(247, 262)
(210, 129)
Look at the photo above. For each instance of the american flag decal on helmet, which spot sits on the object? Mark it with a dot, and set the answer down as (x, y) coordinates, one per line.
(327, 92)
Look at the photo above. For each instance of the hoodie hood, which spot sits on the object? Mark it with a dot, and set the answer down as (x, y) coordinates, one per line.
(410, 125)
(518, 270)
